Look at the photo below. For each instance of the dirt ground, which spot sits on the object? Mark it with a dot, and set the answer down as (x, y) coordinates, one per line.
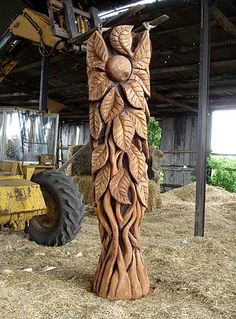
(191, 278)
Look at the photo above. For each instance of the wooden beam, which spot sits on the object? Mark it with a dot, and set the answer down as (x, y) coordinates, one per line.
(223, 106)
(13, 95)
(171, 101)
(36, 64)
(19, 103)
(43, 89)
(224, 22)
(191, 67)
(204, 80)
(70, 18)
(165, 52)
(226, 91)
(187, 28)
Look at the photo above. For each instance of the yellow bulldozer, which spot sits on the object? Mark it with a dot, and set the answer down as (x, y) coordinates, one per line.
(34, 196)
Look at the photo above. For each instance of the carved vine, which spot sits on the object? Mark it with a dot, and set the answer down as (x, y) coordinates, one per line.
(119, 83)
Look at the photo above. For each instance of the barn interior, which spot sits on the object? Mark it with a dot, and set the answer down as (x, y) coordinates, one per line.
(174, 76)
(188, 275)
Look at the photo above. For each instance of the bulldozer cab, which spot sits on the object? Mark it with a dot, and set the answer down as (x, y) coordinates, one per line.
(27, 138)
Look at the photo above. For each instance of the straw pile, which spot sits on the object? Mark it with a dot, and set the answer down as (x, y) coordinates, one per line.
(190, 278)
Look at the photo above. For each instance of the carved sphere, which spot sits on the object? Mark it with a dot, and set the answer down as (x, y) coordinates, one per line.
(118, 68)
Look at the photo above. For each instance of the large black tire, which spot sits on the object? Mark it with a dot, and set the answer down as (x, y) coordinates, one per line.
(68, 210)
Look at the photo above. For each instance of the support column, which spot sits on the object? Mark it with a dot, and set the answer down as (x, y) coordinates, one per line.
(204, 79)
(119, 83)
(43, 93)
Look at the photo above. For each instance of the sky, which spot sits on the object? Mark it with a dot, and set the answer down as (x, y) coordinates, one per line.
(223, 138)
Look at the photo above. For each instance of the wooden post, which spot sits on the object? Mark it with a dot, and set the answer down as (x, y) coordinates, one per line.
(119, 82)
(43, 91)
(202, 119)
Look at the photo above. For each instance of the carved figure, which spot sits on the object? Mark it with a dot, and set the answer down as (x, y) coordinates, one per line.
(119, 82)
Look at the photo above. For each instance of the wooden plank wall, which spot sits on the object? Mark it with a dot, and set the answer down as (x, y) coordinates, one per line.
(178, 144)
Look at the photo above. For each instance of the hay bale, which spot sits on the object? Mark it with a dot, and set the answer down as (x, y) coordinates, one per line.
(154, 164)
(154, 197)
(71, 151)
(84, 185)
(82, 165)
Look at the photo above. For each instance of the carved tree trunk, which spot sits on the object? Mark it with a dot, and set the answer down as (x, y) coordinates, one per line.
(119, 82)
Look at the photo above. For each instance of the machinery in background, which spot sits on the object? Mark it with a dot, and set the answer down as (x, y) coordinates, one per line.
(34, 196)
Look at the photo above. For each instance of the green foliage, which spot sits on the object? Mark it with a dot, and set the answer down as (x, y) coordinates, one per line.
(223, 173)
(154, 133)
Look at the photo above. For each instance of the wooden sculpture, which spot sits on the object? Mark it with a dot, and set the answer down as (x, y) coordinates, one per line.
(119, 82)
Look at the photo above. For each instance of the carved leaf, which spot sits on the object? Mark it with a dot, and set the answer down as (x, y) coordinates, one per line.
(119, 186)
(134, 94)
(98, 84)
(137, 163)
(121, 39)
(99, 157)
(142, 54)
(139, 119)
(95, 121)
(112, 105)
(102, 181)
(142, 190)
(97, 52)
(143, 77)
(123, 131)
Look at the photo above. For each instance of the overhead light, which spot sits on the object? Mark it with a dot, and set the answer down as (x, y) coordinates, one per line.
(116, 11)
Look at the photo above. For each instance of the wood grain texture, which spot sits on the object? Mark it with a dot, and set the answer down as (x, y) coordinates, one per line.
(142, 54)
(137, 164)
(121, 39)
(112, 105)
(143, 77)
(97, 53)
(98, 84)
(134, 93)
(95, 121)
(140, 122)
(119, 186)
(99, 157)
(123, 131)
(102, 181)
(118, 123)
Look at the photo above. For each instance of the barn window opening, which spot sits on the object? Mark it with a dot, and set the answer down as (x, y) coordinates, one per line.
(222, 161)
(223, 141)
